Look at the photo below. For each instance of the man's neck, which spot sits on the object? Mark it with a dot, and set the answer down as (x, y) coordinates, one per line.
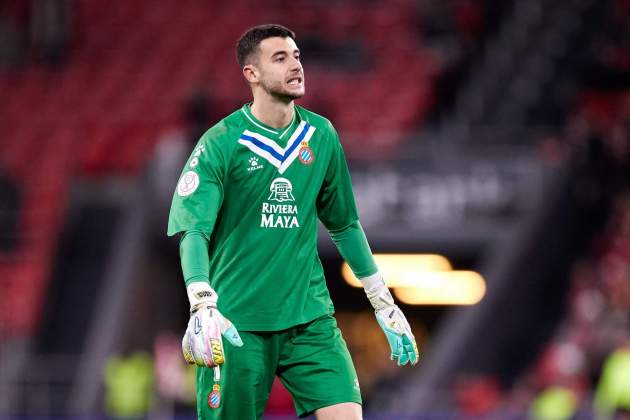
(274, 113)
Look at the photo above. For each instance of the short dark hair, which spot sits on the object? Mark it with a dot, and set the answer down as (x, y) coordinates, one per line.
(249, 41)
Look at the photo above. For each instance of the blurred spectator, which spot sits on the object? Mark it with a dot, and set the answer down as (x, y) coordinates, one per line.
(10, 205)
(592, 344)
(593, 161)
(175, 380)
(199, 114)
(51, 30)
(561, 381)
(128, 386)
(619, 144)
(554, 403)
(613, 391)
(523, 392)
(13, 33)
(610, 49)
(469, 18)
(477, 395)
(174, 146)
(453, 30)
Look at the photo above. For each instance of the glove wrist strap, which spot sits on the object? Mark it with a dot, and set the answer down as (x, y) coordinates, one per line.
(200, 293)
(377, 292)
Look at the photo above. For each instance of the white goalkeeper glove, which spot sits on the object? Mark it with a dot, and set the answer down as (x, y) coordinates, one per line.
(392, 321)
(202, 344)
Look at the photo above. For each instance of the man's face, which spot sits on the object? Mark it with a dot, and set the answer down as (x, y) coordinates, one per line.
(280, 70)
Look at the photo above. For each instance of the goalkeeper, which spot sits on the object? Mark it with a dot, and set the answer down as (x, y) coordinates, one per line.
(246, 206)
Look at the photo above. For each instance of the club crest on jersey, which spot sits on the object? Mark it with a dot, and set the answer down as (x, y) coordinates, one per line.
(305, 154)
(281, 190)
(214, 397)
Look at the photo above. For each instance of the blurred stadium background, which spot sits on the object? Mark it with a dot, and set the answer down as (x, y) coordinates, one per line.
(488, 141)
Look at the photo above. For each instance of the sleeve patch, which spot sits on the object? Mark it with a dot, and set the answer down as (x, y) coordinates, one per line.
(188, 184)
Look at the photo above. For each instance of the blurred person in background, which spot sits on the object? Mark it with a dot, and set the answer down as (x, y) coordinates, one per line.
(14, 15)
(247, 205)
(612, 399)
(10, 205)
(589, 352)
(51, 30)
(129, 385)
(198, 113)
(560, 381)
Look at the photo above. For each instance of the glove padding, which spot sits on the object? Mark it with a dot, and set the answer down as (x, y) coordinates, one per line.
(399, 336)
(202, 344)
(391, 319)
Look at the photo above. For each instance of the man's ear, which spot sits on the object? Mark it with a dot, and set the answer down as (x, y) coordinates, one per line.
(251, 73)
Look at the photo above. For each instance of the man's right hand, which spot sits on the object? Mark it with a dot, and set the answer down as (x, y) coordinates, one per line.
(202, 344)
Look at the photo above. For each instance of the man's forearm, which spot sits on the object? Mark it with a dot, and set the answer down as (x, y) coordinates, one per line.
(353, 247)
(193, 251)
(355, 250)
(202, 344)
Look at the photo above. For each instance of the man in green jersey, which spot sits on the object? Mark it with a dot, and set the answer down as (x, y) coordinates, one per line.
(247, 205)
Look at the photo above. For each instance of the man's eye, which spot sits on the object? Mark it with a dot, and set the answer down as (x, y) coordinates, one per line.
(280, 59)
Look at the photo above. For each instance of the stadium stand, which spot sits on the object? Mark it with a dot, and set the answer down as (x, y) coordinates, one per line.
(568, 374)
(596, 321)
(102, 111)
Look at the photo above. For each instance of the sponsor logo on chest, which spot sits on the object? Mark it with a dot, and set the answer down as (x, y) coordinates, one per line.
(279, 211)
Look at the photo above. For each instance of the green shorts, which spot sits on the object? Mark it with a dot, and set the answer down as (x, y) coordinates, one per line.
(311, 360)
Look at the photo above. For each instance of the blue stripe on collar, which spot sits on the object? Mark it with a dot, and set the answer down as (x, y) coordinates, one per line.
(271, 151)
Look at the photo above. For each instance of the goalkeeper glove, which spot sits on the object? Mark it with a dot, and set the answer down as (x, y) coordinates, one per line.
(392, 321)
(202, 344)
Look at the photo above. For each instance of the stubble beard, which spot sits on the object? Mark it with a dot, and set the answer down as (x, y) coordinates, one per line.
(279, 92)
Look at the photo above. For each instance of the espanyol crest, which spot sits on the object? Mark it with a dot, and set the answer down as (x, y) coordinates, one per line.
(214, 397)
(305, 154)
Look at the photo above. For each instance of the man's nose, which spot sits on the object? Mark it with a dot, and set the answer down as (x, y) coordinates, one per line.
(296, 65)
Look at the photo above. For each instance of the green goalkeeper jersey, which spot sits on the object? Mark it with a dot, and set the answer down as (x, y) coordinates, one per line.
(257, 193)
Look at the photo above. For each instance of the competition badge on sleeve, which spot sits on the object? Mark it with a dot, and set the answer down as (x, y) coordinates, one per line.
(188, 184)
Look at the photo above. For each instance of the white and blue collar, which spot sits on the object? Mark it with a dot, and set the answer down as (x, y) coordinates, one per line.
(268, 149)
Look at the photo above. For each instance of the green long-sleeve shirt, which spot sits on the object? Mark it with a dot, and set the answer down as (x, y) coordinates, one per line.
(254, 194)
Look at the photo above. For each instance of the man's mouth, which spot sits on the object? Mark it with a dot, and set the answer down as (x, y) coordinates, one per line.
(295, 81)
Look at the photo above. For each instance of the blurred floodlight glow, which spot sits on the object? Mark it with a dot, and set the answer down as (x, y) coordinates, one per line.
(425, 279)
(401, 267)
(443, 288)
